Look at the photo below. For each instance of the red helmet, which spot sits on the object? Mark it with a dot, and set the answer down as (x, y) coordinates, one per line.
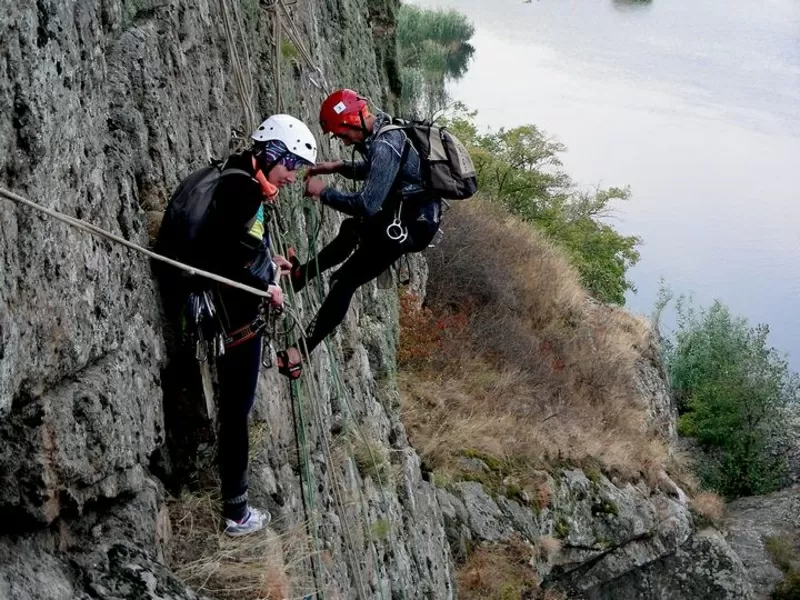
(343, 109)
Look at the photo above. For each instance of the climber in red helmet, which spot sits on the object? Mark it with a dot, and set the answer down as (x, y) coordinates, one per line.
(379, 230)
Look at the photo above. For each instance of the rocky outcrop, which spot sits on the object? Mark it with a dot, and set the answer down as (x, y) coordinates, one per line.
(595, 537)
(703, 567)
(653, 387)
(752, 522)
(617, 541)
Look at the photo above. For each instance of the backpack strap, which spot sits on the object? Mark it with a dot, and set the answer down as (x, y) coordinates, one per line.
(406, 142)
(387, 128)
(225, 172)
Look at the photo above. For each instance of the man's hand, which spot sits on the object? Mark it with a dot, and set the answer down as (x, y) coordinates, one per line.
(314, 187)
(324, 168)
(283, 265)
(276, 296)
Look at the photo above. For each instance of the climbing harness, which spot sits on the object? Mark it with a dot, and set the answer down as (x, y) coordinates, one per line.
(244, 334)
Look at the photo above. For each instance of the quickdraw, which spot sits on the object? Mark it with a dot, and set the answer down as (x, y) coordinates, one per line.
(209, 335)
(205, 321)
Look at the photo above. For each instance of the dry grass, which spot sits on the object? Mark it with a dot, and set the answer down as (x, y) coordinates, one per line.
(501, 571)
(507, 570)
(263, 566)
(371, 458)
(521, 365)
(709, 507)
(549, 547)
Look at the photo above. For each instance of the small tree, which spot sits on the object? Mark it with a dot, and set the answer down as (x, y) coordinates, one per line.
(521, 168)
(731, 388)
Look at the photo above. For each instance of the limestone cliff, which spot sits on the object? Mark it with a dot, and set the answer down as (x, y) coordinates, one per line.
(104, 106)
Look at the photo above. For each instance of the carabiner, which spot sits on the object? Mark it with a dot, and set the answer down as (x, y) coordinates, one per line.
(396, 231)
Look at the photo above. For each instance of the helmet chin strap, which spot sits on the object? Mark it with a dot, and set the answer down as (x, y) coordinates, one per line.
(364, 129)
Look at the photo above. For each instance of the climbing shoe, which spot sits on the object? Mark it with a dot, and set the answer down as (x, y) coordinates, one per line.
(255, 520)
(292, 370)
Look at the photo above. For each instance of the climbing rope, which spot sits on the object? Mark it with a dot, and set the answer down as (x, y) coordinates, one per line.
(348, 412)
(243, 79)
(287, 25)
(313, 385)
(277, 32)
(242, 70)
(83, 225)
(242, 74)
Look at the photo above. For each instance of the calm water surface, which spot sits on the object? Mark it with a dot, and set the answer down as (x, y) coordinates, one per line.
(694, 104)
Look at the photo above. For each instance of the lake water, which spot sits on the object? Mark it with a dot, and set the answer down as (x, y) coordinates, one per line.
(693, 103)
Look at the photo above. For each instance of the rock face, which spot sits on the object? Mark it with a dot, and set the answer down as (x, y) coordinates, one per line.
(104, 107)
(118, 570)
(110, 553)
(653, 386)
(704, 567)
(618, 541)
(751, 522)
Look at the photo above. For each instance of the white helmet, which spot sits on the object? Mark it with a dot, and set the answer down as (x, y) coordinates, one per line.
(294, 134)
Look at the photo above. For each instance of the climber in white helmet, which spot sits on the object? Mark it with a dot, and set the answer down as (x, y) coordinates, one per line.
(215, 221)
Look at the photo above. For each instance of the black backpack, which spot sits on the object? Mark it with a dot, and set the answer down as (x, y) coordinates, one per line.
(447, 168)
(187, 210)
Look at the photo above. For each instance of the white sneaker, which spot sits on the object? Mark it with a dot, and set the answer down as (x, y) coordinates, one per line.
(255, 520)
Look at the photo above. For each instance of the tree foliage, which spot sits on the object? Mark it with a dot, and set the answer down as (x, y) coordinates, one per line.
(732, 389)
(434, 49)
(521, 169)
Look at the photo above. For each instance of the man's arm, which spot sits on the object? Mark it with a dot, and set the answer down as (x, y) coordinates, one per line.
(382, 171)
(354, 169)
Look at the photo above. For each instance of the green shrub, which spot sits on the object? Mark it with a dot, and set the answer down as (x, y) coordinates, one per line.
(783, 551)
(371, 459)
(289, 50)
(731, 388)
(380, 530)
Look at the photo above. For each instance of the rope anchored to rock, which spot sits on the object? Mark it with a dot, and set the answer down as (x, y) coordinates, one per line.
(93, 229)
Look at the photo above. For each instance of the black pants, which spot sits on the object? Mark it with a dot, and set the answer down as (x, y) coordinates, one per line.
(374, 253)
(238, 375)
